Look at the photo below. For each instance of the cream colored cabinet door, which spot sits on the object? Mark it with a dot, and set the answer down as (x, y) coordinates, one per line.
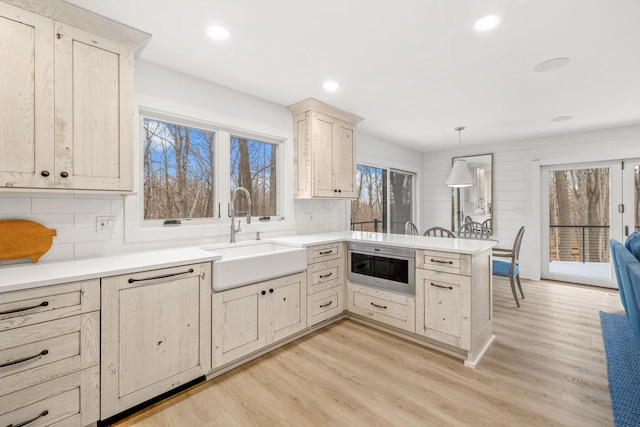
(156, 333)
(286, 306)
(26, 100)
(249, 318)
(334, 158)
(238, 323)
(443, 312)
(93, 112)
(344, 165)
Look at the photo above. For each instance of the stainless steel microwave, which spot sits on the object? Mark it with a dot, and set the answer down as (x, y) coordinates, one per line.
(382, 267)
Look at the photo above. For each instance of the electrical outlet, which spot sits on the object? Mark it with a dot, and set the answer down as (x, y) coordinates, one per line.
(105, 224)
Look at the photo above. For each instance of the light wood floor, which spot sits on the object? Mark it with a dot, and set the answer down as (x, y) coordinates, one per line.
(546, 367)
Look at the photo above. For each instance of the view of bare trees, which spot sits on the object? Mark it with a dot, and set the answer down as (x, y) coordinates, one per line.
(369, 210)
(178, 171)
(253, 166)
(579, 215)
(401, 200)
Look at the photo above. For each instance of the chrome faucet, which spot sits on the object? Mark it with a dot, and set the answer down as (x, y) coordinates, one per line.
(235, 230)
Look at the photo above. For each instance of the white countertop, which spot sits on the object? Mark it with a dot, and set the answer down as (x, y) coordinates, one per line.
(25, 276)
(465, 246)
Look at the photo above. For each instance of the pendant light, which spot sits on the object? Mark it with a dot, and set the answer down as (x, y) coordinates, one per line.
(460, 176)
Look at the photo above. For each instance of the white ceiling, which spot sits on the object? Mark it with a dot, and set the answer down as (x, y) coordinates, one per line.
(414, 69)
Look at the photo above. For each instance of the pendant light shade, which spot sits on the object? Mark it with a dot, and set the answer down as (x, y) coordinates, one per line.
(460, 176)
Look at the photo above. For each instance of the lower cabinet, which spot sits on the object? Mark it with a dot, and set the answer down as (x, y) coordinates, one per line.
(50, 355)
(156, 333)
(325, 304)
(443, 307)
(251, 317)
(382, 306)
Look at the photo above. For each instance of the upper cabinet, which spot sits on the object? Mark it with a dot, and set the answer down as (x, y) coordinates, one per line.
(67, 105)
(324, 153)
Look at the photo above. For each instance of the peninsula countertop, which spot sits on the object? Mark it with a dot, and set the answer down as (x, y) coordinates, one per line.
(24, 276)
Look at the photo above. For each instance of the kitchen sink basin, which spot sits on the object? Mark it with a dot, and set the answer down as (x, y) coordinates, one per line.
(243, 264)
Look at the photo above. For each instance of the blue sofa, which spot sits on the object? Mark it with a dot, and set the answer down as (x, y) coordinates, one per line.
(626, 261)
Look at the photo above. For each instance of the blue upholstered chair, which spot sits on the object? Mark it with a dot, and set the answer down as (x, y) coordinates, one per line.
(628, 275)
(633, 244)
(511, 268)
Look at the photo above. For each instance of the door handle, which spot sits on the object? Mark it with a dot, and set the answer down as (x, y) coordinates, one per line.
(626, 230)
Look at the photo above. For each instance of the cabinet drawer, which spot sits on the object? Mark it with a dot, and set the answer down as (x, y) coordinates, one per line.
(385, 307)
(440, 277)
(324, 252)
(28, 307)
(447, 262)
(38, 353)
(325, 275)
(72, 399)
(325, 304)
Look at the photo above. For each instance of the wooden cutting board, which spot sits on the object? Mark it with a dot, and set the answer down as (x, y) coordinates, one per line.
(20, 238)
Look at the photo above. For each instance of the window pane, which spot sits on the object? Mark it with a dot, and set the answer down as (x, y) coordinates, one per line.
(400, 200)
(178, 171)
(253, 166)
(368, 211)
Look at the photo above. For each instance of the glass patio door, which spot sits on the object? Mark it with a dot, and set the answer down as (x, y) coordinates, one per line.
(580, 215)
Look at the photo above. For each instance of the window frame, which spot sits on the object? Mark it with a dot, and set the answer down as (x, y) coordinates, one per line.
(217, 227)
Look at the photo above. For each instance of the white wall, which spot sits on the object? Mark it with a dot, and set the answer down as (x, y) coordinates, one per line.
(516, 176)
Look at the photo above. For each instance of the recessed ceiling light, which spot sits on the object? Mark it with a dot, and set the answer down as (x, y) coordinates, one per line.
(218, 32)
(562, 119)
(551, 64)
(487, 23)
(331, 86)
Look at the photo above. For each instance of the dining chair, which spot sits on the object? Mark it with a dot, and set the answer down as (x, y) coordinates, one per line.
(486, 224)
(410, 228)
(439, 232)
(473, 230)
(510, 269)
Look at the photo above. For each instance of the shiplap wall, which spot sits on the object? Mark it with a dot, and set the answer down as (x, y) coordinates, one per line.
(516, 177)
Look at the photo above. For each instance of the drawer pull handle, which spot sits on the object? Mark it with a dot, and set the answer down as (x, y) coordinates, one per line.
(18, 310)
(24, 423)
(326, 305)
(440, 286)
(161, 277)
(441, 262)
(24, 359)
(326, 252)
(379, 306)
(322, 276)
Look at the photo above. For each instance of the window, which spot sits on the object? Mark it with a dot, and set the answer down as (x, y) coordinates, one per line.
(385, 199)
(191, 168)
(253, 166)
(178, 167)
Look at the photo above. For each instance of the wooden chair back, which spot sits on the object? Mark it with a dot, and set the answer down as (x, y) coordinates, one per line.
(439, 232)
(473, 230)
(410, 228)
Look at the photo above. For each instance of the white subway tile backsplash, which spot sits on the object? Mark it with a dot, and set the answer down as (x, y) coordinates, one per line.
(15, 205)
(55, 221)
(106, 247)
(71, 205)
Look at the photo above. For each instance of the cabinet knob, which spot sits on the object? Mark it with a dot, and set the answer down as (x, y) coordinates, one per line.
(263, 292)
(339, 191)
(44, 173)
(271, 290)
(335, 191)
(64, 174)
